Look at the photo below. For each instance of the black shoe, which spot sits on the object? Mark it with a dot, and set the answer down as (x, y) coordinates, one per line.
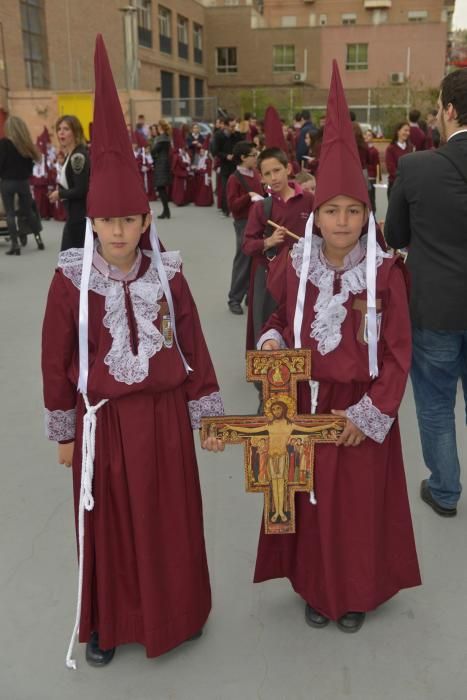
(14, 251)
(164, 215)
(96, 656)
(351, 621)
(314, 618)
(425, 495)
(39, 241)
(197, 635)
(235, 308)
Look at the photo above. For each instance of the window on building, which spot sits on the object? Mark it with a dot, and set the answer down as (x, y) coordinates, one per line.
(197, 43)
(283, 58)
(349, 18)
(226, 60)
(288, 21)
(167, 92)
(417, 15)
(199, 101)
(34, 43)
(165, 29)
(182, 33)
(379, 17)
(184, 95)
(231, 2)
(144, 23)
(357, 57)
(323, 19)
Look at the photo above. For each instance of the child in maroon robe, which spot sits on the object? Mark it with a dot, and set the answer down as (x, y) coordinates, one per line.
(127, 377)
(354, 548)
(182, 189)
(290, 208)
(203, 196)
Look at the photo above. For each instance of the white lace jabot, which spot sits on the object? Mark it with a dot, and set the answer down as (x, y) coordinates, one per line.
(144, 292)
(329, 307)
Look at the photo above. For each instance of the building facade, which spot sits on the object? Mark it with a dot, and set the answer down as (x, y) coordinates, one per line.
(388, 50)
(181, 58)
(156, 51)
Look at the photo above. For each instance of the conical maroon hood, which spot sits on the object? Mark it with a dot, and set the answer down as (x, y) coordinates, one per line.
(273, 131)
(116, 187)
(340, 170)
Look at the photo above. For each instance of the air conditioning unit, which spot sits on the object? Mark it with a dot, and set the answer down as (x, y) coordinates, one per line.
(397, 78)
(299, 77)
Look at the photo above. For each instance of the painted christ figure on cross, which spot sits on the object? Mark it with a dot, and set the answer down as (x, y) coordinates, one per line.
(274, 437)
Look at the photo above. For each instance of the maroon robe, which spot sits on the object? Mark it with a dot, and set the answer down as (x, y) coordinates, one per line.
(145, 572)
(203, 196)
(181, 191)
(392, 155)
(355, 549)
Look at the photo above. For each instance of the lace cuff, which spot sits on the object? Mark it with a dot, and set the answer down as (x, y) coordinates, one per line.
(272, 335)
(369, 419)
(211, 405)
(60, 425)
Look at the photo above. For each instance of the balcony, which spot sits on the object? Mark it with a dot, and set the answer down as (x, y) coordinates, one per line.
(377, 4)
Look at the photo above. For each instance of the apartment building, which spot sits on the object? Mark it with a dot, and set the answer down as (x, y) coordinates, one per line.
(183, 57)
(285, 49)
(46, 57)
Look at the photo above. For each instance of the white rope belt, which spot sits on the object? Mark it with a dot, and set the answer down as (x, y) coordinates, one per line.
(314, 388)
(86, 502)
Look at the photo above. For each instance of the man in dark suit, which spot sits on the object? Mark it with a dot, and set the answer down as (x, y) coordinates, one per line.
(428, 213)
(223, 143)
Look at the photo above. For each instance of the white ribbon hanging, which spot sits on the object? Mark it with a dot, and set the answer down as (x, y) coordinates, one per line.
(314, 389)
(300, 305)
(83, 308)
(299, 309)
(86, 502)
(166, 288)
(371, 297)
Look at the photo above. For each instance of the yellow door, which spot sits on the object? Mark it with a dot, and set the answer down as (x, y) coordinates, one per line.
(80, 105)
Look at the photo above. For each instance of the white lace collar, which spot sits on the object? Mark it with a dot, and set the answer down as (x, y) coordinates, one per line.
(330, 311)
(144, 292)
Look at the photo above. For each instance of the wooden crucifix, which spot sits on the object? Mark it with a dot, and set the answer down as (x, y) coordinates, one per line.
(279, 446)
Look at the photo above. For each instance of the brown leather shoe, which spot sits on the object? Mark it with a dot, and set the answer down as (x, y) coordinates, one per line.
(425, 495)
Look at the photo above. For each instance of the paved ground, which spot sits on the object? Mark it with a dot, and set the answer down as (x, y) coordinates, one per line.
(256, 644)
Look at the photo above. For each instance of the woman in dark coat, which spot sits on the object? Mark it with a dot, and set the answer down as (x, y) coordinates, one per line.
(161, 155)
(74, 180)
(17, 154)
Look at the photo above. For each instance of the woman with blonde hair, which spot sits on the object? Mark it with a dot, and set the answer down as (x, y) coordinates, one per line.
(17, 155)
(161, 155)
(74, 180)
